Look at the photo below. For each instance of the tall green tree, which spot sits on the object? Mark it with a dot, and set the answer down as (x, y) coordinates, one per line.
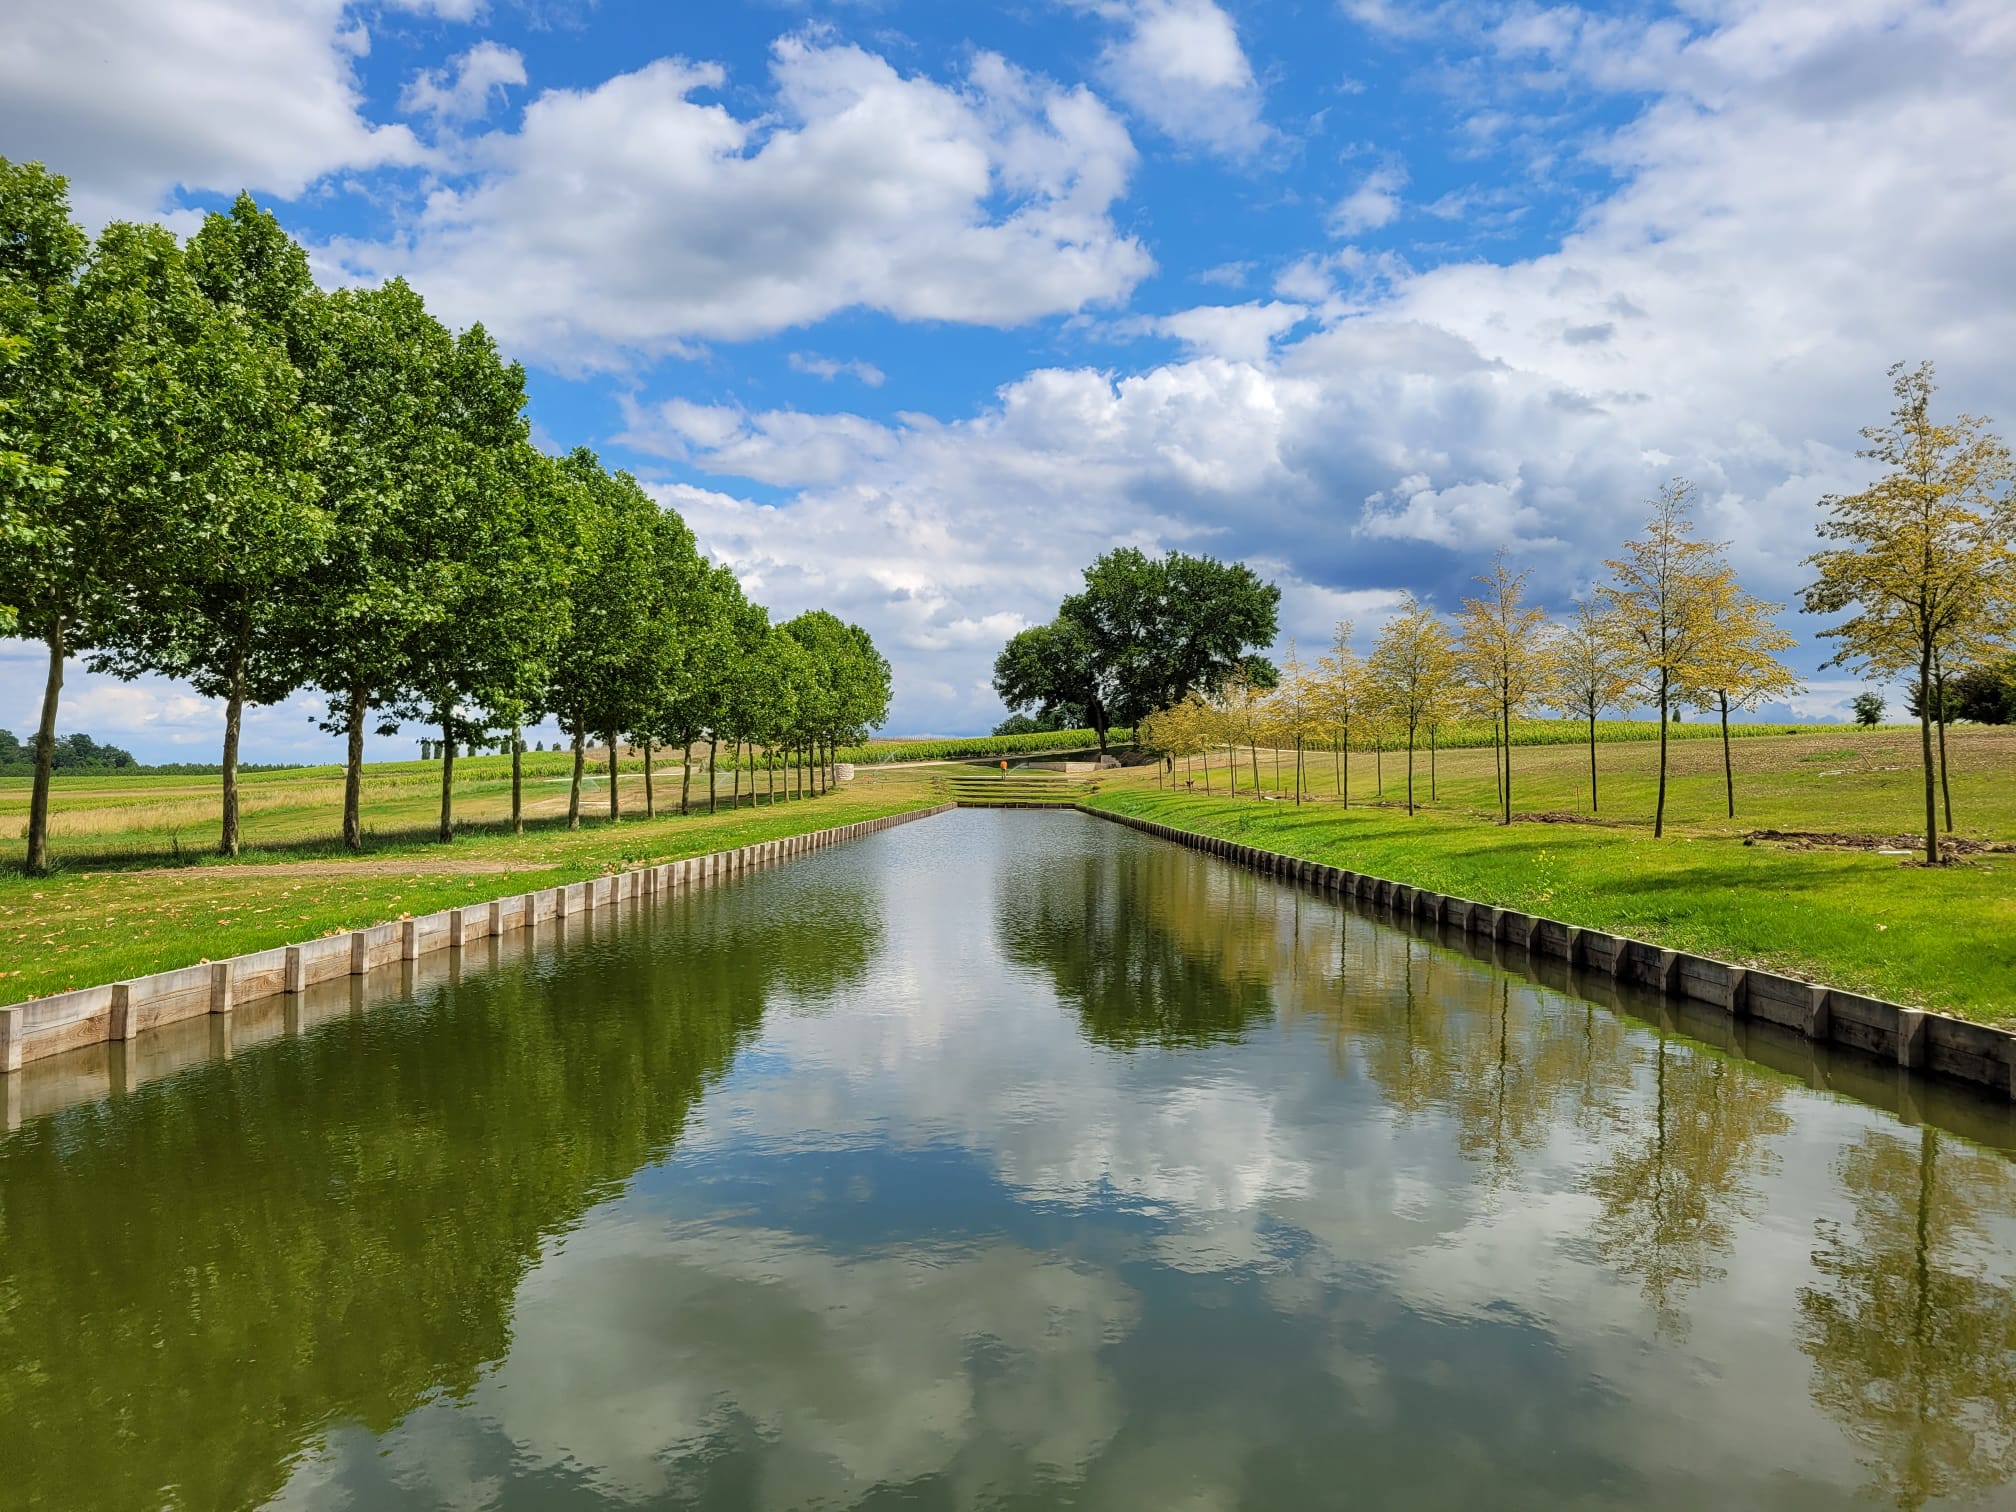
(1923, 561)
(100, 379)
(220, 610)
(1144, 632)
(500, 563)
(382, 373)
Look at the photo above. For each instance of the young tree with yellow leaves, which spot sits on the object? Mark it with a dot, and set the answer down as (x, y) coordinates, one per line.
(1298, 711)
(1507, 657)
(1737, 668)
(1411, 670)
(1591, 672)
(1927, 554)
(1668, 584)
(1341, 676)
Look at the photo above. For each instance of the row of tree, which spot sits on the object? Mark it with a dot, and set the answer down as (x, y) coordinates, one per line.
(1672, 628)
(1923, 565)
(213, 470)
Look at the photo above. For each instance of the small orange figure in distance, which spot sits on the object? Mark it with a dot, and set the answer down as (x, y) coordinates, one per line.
(1004, 766)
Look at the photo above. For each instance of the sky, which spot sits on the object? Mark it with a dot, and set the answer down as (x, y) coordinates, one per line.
(913, 309)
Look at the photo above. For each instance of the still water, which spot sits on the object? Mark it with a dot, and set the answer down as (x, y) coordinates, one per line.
(1005, 1160)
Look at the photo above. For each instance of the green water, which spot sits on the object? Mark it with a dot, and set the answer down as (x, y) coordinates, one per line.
(1003, 1160)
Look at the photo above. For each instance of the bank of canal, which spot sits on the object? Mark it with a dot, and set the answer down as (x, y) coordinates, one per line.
(1006, 1159)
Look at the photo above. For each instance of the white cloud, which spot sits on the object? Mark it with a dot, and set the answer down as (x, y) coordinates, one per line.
(466, 89)
(132, 98)
(829, 368)
(637, 218)
(1727, 314)
(446, 10)
(1374, 203)
(1238, 333)
(1179, 65)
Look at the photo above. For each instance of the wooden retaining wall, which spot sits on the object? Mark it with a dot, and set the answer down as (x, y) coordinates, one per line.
(1916, 1038)
(49, 1026)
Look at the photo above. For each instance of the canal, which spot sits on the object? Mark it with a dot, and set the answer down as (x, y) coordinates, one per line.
(1005, 1160)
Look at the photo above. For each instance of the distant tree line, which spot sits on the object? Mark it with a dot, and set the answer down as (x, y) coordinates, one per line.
(1922, 563)
(212, 470)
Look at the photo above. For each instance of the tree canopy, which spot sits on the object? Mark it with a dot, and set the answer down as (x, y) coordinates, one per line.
(1143, 634)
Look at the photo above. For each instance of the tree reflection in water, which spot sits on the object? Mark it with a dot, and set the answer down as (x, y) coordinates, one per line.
(199, 1278)
(1912, 1337)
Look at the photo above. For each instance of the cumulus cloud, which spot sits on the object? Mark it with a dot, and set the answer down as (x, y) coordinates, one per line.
(1241, 333)
(133, 98)
(637, 217)
(1374, 203)
(1178, 64)
(1726, 314)
(467, 88)
(829, 368)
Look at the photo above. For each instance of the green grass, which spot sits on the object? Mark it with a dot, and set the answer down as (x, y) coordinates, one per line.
(1943, 938)
(135, 890)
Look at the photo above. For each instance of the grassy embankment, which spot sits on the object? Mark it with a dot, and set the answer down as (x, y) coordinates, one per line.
(137, 892)
(1834, 912)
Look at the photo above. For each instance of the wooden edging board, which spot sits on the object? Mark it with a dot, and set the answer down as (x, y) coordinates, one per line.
(1916, 1038)
(43, 1027)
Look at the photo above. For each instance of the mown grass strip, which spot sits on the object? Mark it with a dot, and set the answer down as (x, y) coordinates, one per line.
(1934, 938)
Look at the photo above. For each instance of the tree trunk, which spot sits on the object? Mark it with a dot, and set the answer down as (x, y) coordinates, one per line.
(1255, 748)
(1298, 771)
(1497, 762)
(1277, 771)
(1379, 766)
(1592, 761)
(1659, 813)
(1507, 708)
(45, 756)
(1945, 790)
(770, 772)
(685, 774)
(1410, 767)
(447, 830)
(517, 779)
(712, 803)
(1344, 781)
(1925, 751)
(736, 759)
(650, 798)
(1728, 766)
(580, 762)
(615, 808)
(1231, 768)
(1431, 763)
(234, 720)
(353, 771)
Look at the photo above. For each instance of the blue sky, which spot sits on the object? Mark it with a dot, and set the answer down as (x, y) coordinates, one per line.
(912, 309)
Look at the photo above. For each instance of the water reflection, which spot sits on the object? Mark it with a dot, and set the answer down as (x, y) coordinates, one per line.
(1912, 1325)
(1005, 1161)
(196, 1280)
(1142, 944)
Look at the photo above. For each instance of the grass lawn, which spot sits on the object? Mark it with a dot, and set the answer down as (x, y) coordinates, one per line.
(136, 892)
(1942, 938)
